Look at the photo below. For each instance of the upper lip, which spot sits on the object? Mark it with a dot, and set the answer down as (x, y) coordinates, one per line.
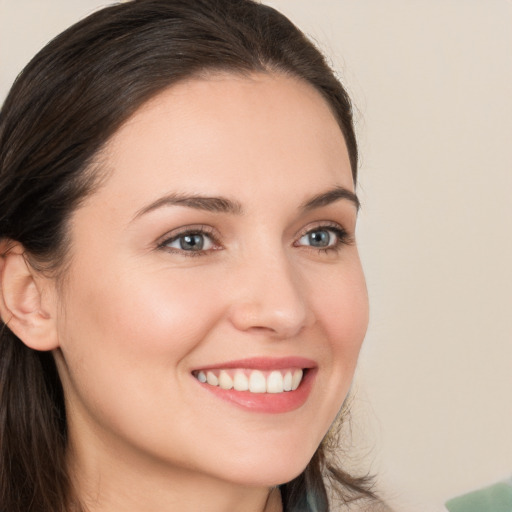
(263, 363)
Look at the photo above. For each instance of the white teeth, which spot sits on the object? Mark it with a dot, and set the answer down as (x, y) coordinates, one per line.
(287, 381)
(257, 382)
(275, 383)
(240, 382)
(211, 378)
(297, 377)
(225, 381)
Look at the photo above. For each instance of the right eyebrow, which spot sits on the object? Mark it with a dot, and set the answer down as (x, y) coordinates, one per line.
(198, 202)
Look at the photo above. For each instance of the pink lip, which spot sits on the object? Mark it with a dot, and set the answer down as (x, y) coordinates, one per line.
(263, 363)
(266, 402)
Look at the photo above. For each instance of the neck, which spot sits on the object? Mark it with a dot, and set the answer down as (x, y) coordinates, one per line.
(123, 485)
(274, 502)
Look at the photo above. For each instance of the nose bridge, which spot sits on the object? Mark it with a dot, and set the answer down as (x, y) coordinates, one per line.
(270, 294)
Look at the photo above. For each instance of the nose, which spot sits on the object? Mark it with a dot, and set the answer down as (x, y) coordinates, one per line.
(269, 297)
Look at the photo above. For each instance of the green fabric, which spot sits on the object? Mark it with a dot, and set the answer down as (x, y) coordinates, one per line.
(497, 498)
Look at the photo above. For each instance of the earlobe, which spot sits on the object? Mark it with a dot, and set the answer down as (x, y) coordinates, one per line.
(21, 304)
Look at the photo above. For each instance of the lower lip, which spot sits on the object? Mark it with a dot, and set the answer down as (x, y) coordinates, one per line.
(273, 403)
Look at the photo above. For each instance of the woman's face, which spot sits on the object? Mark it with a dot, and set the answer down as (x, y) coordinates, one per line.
(220, 247)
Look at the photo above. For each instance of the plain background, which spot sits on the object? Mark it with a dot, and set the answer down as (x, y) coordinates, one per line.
(431, 81)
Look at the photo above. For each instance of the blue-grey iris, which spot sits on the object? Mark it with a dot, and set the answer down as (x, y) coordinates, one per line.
(192, 242)
(320, 238)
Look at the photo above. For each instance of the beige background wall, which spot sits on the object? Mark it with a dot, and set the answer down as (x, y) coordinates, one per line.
(432, 83)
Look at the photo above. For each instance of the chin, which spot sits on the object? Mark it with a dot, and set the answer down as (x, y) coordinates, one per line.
(268, 477)
(275, 469)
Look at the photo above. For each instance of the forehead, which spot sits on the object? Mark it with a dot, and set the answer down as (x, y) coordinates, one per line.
(230, 134)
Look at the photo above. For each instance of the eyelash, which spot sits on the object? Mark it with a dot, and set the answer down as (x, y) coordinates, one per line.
(342, 238)
(206, 231)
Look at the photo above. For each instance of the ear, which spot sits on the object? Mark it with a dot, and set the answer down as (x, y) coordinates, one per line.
(26, 304)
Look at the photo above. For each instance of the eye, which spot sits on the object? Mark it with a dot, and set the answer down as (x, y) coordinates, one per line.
(324, 238)
(319, 238)
(190, 241)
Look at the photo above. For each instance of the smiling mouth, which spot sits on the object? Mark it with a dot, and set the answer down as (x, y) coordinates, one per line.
(253, 381)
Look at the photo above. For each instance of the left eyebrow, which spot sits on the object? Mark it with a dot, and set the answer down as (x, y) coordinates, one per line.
(331, 196)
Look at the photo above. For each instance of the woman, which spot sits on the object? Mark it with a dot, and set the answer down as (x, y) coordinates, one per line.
(181, 289)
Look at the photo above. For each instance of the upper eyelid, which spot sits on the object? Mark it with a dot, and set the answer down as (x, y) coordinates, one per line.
(326, 224)
(172, 235)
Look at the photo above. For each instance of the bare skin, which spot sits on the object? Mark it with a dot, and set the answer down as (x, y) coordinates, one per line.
(164, 282)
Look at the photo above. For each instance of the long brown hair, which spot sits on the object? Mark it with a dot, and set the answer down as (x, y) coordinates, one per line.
(69, 100)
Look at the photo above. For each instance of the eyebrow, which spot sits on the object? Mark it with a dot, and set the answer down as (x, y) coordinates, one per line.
(209, 204)
(331, 196)
(224, 205)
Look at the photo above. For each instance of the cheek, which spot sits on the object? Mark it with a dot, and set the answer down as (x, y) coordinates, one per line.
(124, 340)
(144, 312)
(341, 308)
(129, 336)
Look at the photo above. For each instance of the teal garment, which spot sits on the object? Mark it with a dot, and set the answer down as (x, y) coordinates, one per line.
(497, 498)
